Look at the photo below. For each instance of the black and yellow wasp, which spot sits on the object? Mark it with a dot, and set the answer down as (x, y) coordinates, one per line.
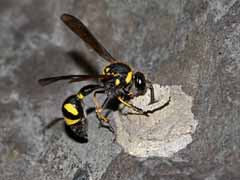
(118, 80)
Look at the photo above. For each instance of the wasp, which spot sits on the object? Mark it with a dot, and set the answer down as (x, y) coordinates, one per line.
(118, 80)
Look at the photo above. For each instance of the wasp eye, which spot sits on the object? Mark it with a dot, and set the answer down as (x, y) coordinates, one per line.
(140, 82)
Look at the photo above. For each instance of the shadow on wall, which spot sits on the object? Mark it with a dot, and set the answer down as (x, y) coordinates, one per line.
(82, 62)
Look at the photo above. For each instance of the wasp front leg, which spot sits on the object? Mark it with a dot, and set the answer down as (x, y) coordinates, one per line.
(135, 108)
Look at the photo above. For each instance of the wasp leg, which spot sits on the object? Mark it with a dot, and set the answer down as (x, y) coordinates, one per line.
(108, 126)
(152, 100)
(137, 109)
(104, 121)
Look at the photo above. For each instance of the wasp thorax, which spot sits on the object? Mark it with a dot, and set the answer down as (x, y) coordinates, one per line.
(72, 110)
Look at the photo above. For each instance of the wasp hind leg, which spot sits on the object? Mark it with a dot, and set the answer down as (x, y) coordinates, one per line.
(104, 121)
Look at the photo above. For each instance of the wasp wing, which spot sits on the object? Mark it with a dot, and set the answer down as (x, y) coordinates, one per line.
(71, 78)
(82, 31)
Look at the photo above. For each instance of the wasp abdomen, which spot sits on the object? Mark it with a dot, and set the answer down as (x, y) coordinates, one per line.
(72, 110)
(72, 107)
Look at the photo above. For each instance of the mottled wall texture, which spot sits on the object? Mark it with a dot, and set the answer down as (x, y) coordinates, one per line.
(194, 44)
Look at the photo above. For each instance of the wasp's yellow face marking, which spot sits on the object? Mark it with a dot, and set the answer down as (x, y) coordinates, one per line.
(113, 74)
(129, 77)
(80, 96)
(106, 70)
(70, 122)
(117, 82)
(71, 109)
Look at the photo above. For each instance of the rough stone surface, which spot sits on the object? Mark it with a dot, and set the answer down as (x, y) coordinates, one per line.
(190, 43)
(167, 129)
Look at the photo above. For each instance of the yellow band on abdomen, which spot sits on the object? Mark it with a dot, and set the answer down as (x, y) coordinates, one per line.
(70, 121)
(71, 109)
(80, 96)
